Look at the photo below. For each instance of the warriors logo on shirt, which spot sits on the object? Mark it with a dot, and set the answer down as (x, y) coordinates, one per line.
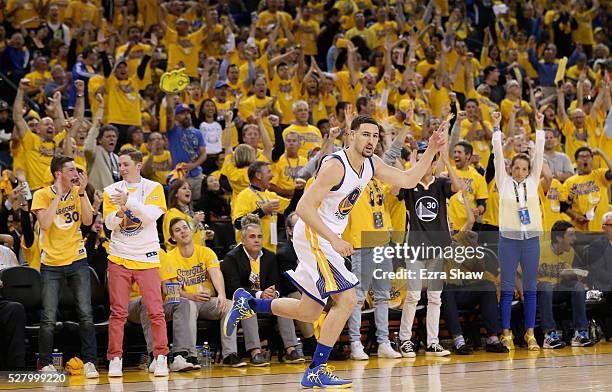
(427, 208)
(130, 225)
(346, 205)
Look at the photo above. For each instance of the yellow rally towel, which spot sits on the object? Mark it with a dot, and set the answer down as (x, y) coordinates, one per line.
(318, 324)
(74, 367)
(561, 71)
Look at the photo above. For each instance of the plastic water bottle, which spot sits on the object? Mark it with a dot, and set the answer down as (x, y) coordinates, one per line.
(206, 357)
(299, 348)
(199, 354)
(396, 342)
(58, 360)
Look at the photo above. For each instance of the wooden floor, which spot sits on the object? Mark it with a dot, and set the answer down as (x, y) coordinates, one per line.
(569, 369)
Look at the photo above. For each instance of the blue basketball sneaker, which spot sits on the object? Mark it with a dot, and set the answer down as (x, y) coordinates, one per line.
(322, 377)
(240, 310)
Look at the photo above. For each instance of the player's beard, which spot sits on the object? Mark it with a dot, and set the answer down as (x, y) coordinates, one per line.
(366, 154)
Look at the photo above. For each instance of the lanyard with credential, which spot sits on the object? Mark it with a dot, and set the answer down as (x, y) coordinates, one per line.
(292, 169)
(516, 192)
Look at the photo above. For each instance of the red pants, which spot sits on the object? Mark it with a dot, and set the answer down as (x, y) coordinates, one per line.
(120, 280)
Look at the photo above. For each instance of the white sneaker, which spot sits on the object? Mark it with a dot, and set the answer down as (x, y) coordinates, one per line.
(48, 368)
(115, 367)
(89, 370)
(357, 353)
(161, 367)
(180, 364)
(386, 351)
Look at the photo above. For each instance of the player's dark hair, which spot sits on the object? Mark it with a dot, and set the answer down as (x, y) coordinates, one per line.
(362, 119)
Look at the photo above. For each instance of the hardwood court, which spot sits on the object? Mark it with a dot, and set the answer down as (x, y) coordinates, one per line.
(569, 369)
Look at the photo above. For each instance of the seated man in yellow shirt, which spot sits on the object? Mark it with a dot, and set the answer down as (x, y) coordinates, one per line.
(198, 271)
(558, 283)
(587, 190)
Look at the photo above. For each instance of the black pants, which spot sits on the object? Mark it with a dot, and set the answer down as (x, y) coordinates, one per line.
(483, 293)
(12, 335)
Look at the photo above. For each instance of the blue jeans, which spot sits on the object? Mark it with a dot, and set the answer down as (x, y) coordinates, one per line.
(363, 266)
(549, 295)
(52, 280)
(511, 253)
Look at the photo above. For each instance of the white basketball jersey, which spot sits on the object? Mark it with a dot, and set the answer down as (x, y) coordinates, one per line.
(339, 202)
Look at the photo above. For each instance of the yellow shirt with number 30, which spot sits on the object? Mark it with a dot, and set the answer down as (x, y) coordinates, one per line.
(61, 244)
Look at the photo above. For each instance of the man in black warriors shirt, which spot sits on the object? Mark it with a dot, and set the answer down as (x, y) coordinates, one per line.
(428, 234)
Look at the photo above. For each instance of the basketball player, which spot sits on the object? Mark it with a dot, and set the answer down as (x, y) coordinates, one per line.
(321, 272)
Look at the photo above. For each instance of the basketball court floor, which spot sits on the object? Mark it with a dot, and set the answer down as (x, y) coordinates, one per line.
(569, 369)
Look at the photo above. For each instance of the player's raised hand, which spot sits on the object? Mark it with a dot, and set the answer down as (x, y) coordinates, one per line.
(342, 247)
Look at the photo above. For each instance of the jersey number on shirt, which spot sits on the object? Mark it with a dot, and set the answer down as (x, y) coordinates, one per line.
(71, 217)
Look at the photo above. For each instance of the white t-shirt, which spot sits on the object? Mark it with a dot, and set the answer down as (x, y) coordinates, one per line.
(211, 132)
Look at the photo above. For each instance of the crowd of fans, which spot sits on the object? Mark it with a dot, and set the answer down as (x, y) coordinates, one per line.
(272, 87)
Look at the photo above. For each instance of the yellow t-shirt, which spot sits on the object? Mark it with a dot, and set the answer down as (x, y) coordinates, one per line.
(361, 230)
(381, 31)
(343, 84)
(588, 136)
(191, 272)
(310, 137)
(306, 35)
(28, 11)
(486, 105)
(551, 204)
(423, 69)
(588, 193)
(62, 244)
(123, 103)
(238, 178)
(286, 93)
(476, 189)
(162, 165)
(247, 108)
(552, 264)
(267, 18)
(482, 147)
(491, 215)
(39, 79)
(199, 236)
(32, 254)
(439, 101)
(459, 82)
(37, 159)
(506, 110)
(368, 35)
(184, 51)
(584, 33)
(136, 54)
(79, 12)
(286, 170)
(248, 201)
